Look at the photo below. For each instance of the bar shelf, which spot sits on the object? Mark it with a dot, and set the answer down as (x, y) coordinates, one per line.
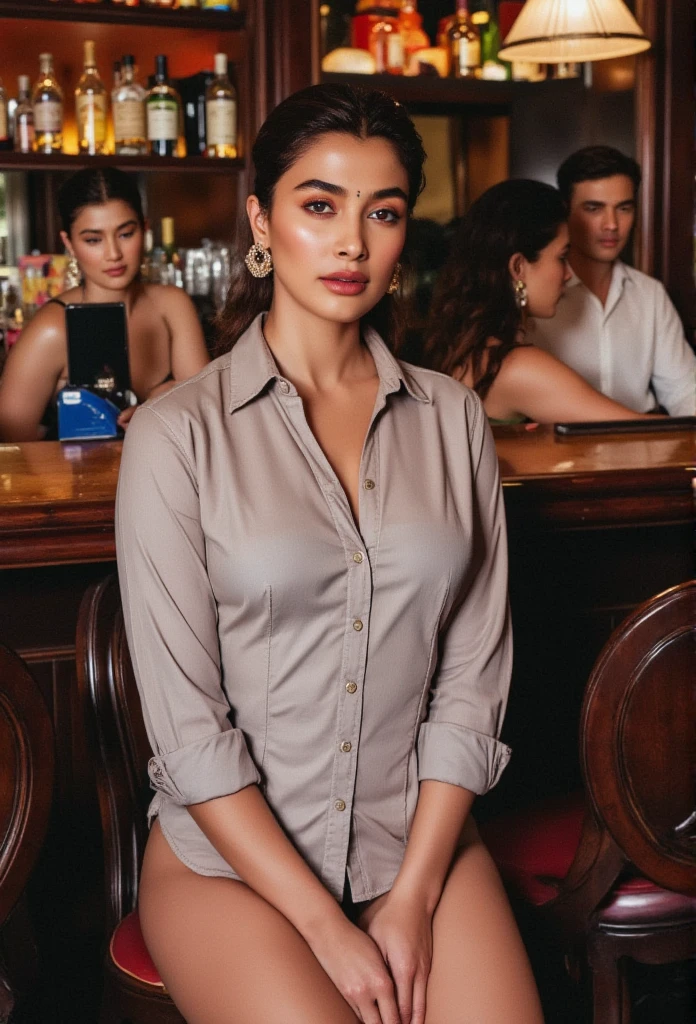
(425, 91)
(74, 162)
(110, 14)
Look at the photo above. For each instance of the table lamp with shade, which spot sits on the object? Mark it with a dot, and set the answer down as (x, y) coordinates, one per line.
(560, 31)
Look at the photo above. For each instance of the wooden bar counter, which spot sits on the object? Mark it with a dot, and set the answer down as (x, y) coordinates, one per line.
(596, 525)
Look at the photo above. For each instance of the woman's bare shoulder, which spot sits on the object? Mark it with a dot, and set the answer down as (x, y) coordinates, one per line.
(167, 297)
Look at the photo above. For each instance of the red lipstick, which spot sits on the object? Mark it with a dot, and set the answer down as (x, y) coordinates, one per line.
(345, 282)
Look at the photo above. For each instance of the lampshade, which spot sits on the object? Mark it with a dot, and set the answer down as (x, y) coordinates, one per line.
(556, 31)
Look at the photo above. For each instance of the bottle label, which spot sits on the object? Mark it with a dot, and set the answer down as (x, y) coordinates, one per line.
(469, 54)
(162, 120)
(129, 120)
(221, 122)
(4, 133)
(24, 138)
(48, 116)
(91, 118)
(395, 50)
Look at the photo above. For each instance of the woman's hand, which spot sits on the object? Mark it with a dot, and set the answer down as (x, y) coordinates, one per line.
(353, 962)
(402, 929)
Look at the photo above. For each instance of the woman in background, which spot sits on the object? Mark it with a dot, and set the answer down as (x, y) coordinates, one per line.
(103, 231)
(508, 264)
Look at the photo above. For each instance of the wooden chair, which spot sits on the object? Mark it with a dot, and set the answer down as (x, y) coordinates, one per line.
(26, 791)
(614, 870)
(133, 990)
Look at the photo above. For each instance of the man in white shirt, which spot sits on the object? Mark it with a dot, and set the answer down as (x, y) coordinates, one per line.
(615, 326)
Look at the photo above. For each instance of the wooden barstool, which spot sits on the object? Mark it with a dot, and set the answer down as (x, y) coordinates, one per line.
(133, 990)
(613, 870)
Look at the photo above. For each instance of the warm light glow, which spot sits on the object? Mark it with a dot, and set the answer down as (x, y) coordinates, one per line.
(559, 31)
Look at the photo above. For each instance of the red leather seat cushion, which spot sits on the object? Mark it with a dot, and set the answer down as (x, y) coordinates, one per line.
(534, 847)
(638, 901)
(129, 952)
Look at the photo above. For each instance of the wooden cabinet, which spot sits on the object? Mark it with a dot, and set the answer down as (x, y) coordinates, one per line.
(190, 38)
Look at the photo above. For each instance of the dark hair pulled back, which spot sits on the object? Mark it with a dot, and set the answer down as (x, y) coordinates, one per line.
(474, 299)
(92, 187)
(287, 133)
(592, 164)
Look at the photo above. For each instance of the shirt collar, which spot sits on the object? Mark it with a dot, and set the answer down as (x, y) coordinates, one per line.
(619, 274)
(252, 367)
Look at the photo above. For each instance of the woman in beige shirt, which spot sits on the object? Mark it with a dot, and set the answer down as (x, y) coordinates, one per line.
(313, 564)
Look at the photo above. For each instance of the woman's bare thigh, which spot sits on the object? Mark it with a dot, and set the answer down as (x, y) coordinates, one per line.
(225, 955)
(480, 972)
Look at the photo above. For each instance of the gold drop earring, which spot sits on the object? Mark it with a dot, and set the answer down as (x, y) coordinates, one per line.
(520, 293)
(259, 260)
(395, 281)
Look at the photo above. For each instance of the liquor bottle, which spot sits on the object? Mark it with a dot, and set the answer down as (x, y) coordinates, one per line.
(221, 113)
(128, 107)
(411, 29)
(464, 44)
(163, 107)
(170, 272)
(189, 3)
(90, 106)
(5, 137)
(24, 118)
(386, 45)
(47, 100)
(483, 16)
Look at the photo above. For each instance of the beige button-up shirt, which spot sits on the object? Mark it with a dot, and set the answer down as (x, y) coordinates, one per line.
(276, 641)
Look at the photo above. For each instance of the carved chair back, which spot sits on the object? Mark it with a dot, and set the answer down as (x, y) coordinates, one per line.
(26, 787)
(638, 757)
(638, 738)
(115, 722)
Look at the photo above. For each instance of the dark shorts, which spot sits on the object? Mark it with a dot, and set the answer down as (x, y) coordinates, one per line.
(350, 909)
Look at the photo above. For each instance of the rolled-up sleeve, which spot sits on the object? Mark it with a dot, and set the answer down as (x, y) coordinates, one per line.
(171, 620)
(458, 741)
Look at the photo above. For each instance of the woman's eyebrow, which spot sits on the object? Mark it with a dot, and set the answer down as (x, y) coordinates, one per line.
(323, 186)
(338, 190)
(390, 193)
(99, 231)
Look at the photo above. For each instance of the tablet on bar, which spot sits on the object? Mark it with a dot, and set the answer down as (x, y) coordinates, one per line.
(654, 424)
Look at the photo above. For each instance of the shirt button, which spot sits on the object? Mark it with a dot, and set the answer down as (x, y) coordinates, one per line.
(346, 747)
(369, 485)
(357, 625)
(340, 805)
(351, 687)
(357, 557)
(284, 387)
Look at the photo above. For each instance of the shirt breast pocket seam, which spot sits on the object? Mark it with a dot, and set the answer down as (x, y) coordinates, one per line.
(269, 642)
(424, 694)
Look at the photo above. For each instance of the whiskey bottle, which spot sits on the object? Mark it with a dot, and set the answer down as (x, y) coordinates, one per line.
(128, 107)
(163, 110)
(24, 118)
(221, 113)
(90, 105)
(464, 44)
(170, 270)
(47, 100)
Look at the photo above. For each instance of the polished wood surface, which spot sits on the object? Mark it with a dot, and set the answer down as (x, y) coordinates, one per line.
(600, 480)
(57, 500)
